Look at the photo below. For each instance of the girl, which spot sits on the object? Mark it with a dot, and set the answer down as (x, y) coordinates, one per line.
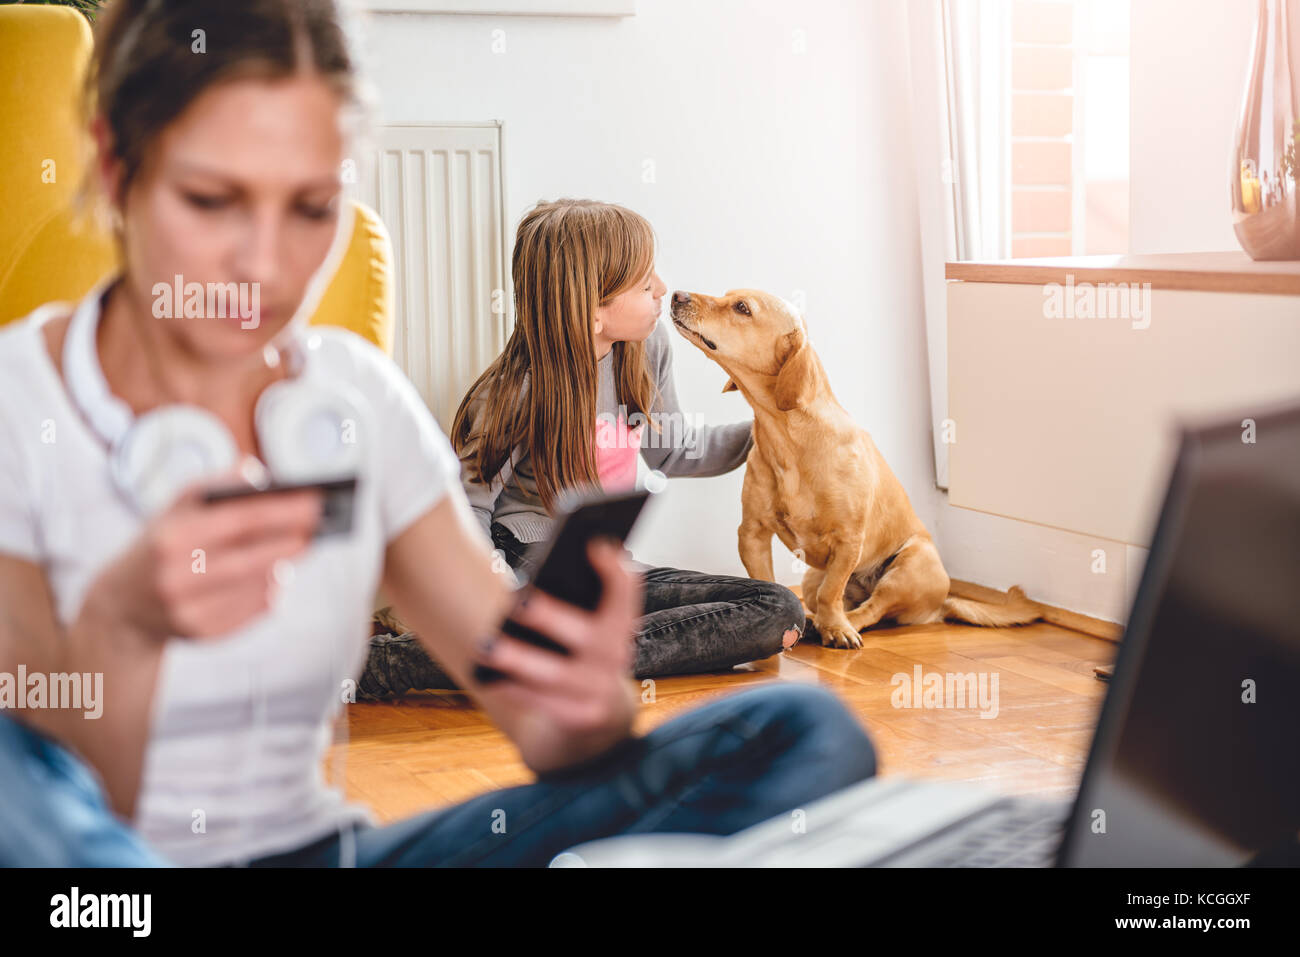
(583, 383)
(224, 633)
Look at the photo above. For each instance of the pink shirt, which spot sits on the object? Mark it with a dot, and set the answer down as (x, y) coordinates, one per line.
(616, 451)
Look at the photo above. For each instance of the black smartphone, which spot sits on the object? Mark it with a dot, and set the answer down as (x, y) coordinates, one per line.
(338, 498)
(562, 567)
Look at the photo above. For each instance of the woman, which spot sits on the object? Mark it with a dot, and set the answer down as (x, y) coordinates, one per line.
(584, 382)
(226, 636)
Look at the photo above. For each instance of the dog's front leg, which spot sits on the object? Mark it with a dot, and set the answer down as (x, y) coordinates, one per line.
(756, 550)
(830, 619)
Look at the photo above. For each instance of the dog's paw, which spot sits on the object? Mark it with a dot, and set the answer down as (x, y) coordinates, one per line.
(839, 635)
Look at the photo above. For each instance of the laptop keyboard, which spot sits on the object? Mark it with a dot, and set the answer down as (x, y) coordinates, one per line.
(1012, 833)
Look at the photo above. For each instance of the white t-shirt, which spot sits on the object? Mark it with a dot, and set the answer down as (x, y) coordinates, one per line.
(240, 724)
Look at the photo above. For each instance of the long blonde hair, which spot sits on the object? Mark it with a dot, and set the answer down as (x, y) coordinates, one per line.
(570, 256)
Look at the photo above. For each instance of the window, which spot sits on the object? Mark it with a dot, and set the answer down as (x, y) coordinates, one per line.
(1069, 127)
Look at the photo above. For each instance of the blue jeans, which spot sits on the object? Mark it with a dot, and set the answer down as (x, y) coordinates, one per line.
(727, 764)
(731, 763)
(53, 813)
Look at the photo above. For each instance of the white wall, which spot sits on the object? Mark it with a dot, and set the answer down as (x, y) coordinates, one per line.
(784, 170)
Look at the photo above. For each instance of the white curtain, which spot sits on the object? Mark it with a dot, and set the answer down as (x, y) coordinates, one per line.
(960, 57)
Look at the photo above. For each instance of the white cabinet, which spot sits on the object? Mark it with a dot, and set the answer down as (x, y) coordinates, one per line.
(1068, 420)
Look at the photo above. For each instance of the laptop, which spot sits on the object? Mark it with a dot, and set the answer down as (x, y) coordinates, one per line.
(1196, 757)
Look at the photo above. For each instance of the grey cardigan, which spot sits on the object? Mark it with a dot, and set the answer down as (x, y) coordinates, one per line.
(678, 449)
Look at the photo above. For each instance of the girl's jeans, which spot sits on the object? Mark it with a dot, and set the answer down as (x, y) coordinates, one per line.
(692, 622)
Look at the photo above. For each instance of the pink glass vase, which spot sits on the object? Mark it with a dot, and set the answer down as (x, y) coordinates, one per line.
(1265, 152)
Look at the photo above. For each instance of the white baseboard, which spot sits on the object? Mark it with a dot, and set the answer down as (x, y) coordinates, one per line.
(1081, 573)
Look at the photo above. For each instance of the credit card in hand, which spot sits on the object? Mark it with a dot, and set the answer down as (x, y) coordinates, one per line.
(337, 501)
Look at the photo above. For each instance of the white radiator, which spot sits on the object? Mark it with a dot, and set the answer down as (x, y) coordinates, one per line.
(439, 190)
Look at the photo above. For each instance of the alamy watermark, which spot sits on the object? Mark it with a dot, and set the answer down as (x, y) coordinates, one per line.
(676, 430)
(1104, 300)
(935, 690)
(214, 300)
(55, 691)
(131, 912)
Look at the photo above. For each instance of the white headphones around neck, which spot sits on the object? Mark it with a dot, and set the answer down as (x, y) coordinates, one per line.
(308, 430)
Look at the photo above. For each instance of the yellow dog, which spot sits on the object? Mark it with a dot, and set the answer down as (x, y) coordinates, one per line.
(817, 481)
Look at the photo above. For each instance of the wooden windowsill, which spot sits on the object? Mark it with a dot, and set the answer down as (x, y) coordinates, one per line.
(1205, 272)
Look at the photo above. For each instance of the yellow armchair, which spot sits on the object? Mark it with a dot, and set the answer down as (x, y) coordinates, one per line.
(360, 292)
(48, 252)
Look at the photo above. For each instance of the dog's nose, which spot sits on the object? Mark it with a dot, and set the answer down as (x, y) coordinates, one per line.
(681, 297)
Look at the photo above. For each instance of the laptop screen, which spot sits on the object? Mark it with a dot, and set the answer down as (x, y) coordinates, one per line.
(1196, 760)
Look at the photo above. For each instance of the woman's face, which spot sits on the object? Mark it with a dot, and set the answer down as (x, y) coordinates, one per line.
(243, 188)
(631, 315)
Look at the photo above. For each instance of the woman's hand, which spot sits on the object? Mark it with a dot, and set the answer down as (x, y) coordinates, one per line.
(199, 569)
(584, 700)
(559, 710)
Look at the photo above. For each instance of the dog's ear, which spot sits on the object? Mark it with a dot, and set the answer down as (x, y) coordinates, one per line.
(730, 386)
(796, 383)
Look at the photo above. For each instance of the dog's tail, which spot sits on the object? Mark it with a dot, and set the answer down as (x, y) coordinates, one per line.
(1016, 608)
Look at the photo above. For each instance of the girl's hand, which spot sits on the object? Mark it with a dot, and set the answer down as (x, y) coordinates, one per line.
(585, 700)
(199, 569)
